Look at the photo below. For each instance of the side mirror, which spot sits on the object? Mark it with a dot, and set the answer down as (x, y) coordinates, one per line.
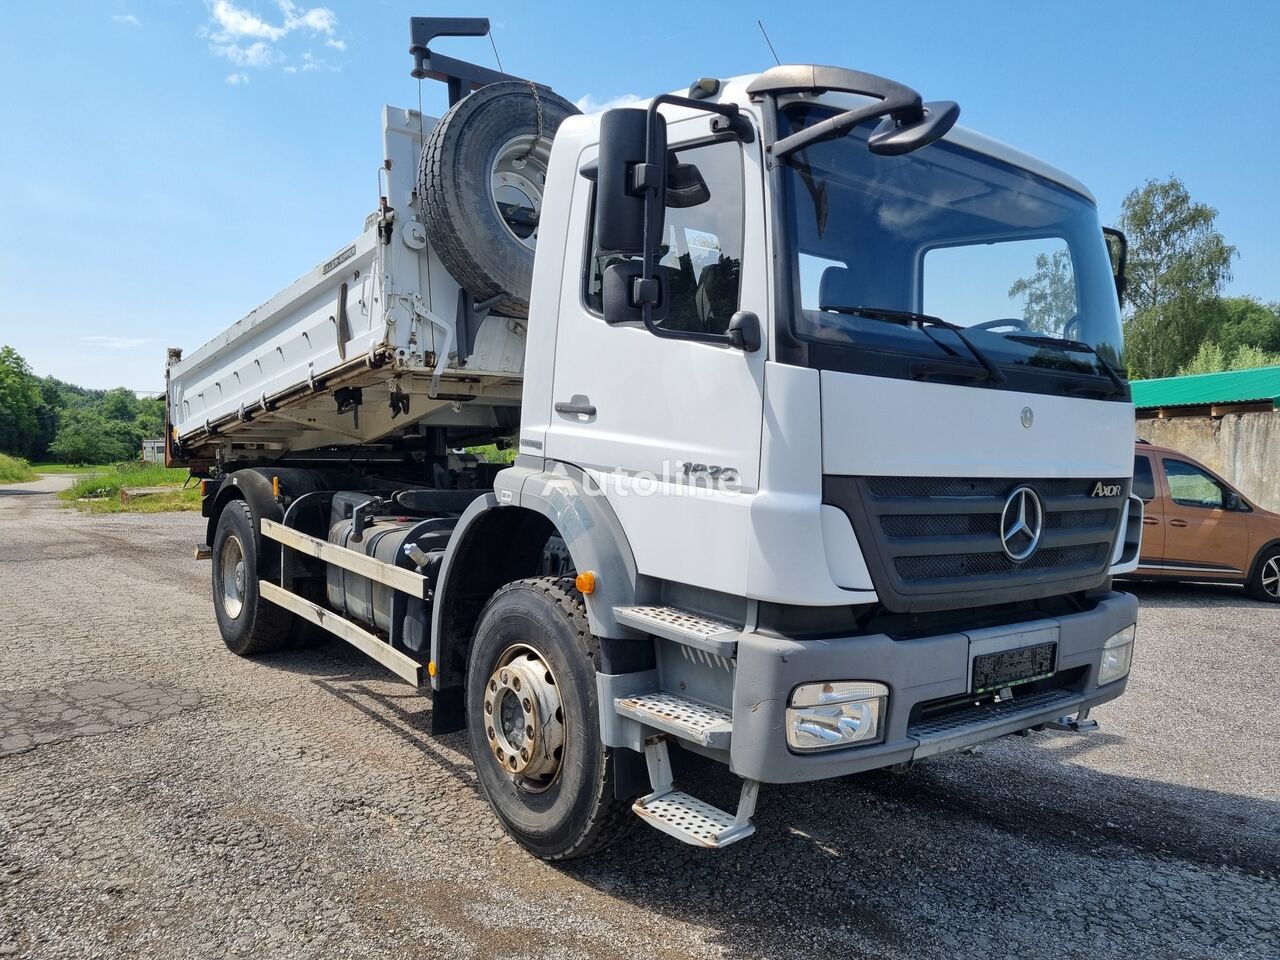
(619, 288)
(744, 331)
(626, 183)
(1231, 500)
(1118, 251)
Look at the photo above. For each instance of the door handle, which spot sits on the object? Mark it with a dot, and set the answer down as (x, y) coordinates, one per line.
(1150, 521)
(1178, 523)
(578, 406)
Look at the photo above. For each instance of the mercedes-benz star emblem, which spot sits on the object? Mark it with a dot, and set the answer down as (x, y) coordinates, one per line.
(1021, 523)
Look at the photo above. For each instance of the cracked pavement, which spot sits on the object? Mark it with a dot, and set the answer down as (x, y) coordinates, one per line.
(162, 798)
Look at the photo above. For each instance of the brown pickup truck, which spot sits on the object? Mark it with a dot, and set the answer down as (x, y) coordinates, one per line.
(1199, 527)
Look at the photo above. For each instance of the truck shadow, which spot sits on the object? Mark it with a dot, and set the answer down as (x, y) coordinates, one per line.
(1022, 831)
(920, 864)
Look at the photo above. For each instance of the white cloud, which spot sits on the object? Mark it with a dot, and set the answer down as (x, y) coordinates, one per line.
(117, 343)
(128, 18)
(248, 39)
(255, 55)
(235, 79)
(589, 104)
(235, 21)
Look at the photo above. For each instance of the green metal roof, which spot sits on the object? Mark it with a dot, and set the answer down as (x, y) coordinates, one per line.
(1233, 386)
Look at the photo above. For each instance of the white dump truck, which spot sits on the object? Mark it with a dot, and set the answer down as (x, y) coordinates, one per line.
(822, 441)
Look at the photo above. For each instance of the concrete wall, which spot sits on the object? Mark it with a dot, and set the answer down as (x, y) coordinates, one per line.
(1243, 447)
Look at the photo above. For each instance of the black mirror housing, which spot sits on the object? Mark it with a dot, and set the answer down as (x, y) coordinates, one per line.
(1118, 251)
(621, 179)
(894, 137)
(618, 293)
(744, 331)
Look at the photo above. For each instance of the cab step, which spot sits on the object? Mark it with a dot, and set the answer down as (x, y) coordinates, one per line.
(687, 719)
(691, 629)
(685, 817)
(691, 820)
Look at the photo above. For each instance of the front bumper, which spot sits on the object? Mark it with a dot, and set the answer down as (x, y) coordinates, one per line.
(916, 671)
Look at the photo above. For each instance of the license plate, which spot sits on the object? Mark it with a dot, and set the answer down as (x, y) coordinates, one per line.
(1008, 668)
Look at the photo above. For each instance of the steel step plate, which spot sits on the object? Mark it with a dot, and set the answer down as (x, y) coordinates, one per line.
(683, 718)
(691, 820)
(692, 629)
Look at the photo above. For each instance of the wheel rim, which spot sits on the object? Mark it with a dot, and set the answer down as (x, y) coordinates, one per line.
(1271, 577)
(524, 718)
(231, 567)
(518, 177)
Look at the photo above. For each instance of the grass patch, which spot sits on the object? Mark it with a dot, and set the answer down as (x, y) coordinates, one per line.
(15, 470)
(491, 454)
(100, 493)
(71, 468)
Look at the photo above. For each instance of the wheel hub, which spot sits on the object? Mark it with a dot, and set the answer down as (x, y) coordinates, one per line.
(1271, 576)
(517, 180)
(231, 564)
(524, 719)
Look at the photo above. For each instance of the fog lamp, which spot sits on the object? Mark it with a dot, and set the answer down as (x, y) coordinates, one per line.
(824, 716)
(1117, 655)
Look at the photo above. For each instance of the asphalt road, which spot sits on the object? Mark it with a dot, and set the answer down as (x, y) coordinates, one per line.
(162, 798)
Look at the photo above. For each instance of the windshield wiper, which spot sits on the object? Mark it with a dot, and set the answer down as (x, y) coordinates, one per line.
(925, 321)
(1078, 346)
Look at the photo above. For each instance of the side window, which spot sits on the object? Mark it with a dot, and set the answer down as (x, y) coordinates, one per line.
(1190, 486)
(1144, 485)
(701, 250)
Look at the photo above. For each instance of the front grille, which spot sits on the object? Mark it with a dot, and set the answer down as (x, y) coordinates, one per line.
(989, 564)
(934, 542)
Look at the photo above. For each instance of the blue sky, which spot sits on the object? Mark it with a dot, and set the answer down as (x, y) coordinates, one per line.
(166, 165)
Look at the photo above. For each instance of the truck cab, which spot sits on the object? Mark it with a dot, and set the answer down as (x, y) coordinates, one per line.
(823, 452)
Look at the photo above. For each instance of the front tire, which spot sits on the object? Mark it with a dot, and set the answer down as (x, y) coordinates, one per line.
(534, 724)
(1265, 583)
(249, 624)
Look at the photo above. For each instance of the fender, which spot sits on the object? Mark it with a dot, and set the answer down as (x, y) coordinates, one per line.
(253, 485)
(531, 500)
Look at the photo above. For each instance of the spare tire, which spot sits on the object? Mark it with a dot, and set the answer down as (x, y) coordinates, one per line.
(482, 176)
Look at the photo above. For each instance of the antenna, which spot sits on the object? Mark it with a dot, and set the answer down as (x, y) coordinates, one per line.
(493, 43)
(760, 24)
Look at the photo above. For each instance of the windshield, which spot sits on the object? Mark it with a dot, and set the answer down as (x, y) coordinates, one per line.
(1015, 259)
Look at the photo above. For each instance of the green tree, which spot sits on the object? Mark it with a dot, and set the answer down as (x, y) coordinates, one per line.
(1247, 322)
(1178, 264)
(1049, 295)
(87, 437)
(1210, 358)
(20, 404)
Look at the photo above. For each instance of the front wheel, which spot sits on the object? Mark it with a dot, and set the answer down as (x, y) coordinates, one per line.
(534, 724)
(1265, 582)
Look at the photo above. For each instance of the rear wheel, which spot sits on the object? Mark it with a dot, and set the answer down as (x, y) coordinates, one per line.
(534, 724)
(1265, 582)
(249, 624)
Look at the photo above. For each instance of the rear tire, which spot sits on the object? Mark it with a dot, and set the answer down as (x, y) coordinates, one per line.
(482, 177)
(1265, 583)
(249, 624)
(533, 670)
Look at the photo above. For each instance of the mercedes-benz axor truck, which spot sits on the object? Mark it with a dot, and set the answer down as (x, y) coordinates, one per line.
(818, 431)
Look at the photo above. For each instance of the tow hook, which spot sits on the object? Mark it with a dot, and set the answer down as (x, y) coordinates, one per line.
(1080, 723)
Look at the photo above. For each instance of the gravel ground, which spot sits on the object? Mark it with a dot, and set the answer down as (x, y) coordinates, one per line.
(162, 798)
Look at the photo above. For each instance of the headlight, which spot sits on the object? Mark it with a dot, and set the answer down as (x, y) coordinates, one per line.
(823, 716)
(1117, 655)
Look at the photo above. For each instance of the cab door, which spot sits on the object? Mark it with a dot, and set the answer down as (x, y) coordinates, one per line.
(669, 426)
(1202, 536)
(1151, 555)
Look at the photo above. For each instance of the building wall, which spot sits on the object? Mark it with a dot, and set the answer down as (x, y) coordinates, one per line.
(1243, 447)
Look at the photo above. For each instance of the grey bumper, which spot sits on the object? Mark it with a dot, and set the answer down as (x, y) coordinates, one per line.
(916, 671)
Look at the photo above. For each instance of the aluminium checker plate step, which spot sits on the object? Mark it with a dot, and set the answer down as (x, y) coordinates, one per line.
(691, 629)
(681, 717)
(691, 820)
